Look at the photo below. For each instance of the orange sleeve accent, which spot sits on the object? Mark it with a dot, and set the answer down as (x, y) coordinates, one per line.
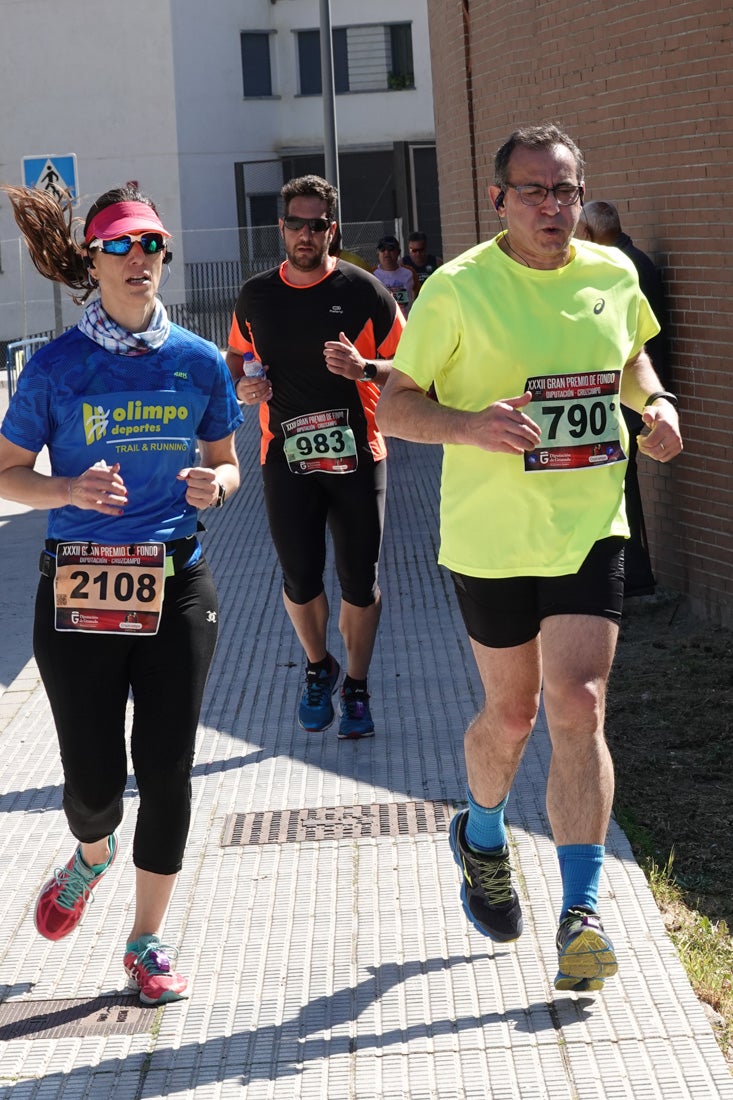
(389, 345)
(365, 343)
(237, 341)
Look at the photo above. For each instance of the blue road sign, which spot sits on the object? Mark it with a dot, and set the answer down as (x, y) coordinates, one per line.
(55, 174)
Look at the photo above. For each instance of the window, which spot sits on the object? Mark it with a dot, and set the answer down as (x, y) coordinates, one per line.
(402, 73)
(366, 58)
(256, 71)
(264, 209)
(309, 61)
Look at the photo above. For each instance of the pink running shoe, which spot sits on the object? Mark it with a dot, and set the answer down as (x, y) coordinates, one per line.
(63, 900)
(149, 969)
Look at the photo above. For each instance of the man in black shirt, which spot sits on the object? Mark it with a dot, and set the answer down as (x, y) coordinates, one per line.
(325, 332)
(600, 223)
(418, 258)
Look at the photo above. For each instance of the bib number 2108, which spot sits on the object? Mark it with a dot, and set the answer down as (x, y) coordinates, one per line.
(102, 589)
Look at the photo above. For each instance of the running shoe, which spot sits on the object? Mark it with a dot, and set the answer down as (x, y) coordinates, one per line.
(489, 900)
(62, 901)
(149, 968)
(585, 953)
(356, 718)
(315, 712)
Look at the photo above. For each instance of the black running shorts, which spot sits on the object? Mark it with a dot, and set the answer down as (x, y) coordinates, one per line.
(508, 611)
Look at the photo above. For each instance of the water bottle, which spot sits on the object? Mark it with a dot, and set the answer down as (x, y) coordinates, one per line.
(252, 367)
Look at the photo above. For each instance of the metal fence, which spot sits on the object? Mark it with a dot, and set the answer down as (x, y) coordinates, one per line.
(17, 354)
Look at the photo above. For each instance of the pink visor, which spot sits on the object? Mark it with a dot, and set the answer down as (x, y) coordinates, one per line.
(122, 218)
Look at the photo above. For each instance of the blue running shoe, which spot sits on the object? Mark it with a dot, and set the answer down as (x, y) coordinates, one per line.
(315, 712)
(356, 718)
(585, 953)
(489, 900)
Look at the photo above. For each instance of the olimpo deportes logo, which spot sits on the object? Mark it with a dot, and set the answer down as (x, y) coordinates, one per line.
(131, 418)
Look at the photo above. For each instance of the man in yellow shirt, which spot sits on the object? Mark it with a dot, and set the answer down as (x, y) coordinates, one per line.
(531, 341)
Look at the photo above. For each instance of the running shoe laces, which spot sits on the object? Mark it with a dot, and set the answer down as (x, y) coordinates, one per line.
(495, 879)
(317, 690)
(356, 717)
(63, 899)
(315, 710)
(149, 965)
(73, 885)
(489, 900)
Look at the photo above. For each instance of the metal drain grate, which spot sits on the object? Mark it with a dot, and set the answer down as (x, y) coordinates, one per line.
(116, 1015)
(336, 823)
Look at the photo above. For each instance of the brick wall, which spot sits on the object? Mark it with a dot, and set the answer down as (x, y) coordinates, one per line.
(646, 89)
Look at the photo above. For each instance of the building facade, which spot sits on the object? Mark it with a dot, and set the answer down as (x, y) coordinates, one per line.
(210, 108)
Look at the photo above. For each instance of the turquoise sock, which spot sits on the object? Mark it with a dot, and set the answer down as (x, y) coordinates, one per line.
(485, 831)
(580, 871)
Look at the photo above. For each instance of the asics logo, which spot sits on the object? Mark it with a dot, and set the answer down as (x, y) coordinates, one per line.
(599, 306)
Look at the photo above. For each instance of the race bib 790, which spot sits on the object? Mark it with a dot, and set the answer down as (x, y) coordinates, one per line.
(578, 415)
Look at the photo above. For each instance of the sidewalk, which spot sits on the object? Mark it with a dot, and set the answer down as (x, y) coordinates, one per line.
(318, 911)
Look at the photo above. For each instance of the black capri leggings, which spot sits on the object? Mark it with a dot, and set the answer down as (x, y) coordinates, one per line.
(88, 678)
(352, 505)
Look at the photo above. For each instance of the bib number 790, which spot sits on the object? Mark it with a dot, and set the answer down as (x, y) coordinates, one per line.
(581, 420)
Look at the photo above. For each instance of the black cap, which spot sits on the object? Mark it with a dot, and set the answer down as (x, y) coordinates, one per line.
(388, 242)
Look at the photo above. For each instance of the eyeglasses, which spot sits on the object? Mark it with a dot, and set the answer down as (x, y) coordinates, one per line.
(534, 194)
(316, 225)
(151, 244)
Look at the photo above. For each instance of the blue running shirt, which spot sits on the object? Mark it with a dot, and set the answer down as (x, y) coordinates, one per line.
(144, 411)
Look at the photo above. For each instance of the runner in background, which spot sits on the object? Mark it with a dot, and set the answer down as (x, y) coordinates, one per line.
(418, 257)
(401, 282)
(325, 332)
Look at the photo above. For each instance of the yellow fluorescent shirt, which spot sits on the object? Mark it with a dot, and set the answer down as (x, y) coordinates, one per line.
(485, 328)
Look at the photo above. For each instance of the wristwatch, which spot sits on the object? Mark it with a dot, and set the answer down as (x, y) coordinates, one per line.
(221, 497)
(370, 372)
(661, 393)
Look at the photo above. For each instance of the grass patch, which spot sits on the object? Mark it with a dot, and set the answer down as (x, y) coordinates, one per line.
(670, 729)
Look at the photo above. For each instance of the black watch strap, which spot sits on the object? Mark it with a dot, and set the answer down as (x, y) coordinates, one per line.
(221, 497)
(369, 373)
(661, 393)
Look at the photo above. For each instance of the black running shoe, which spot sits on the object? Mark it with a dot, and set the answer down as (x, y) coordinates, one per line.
(489, 900)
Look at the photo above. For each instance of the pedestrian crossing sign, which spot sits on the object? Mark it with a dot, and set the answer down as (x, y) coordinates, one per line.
(54, 174)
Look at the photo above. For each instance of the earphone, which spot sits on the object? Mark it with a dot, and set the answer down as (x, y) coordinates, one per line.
(499, 200)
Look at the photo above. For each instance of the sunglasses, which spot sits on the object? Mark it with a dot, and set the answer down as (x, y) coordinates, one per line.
(151, 244)
(316, 225)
